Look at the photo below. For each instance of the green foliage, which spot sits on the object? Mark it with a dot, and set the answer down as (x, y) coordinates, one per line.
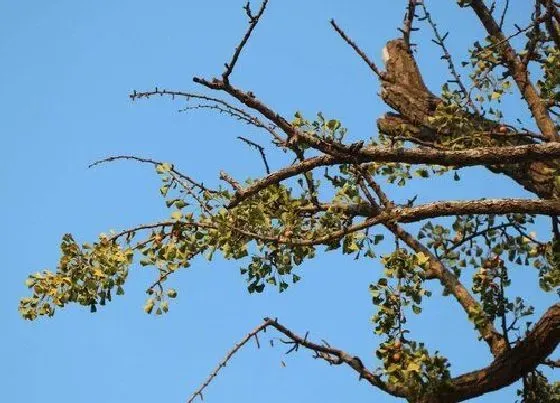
(538, 389)
(490, 245)
(549, 268)
(325, 129)
(275, 230)
(549, 85)
(409, 363)
(405, 361)
(406, 270)
(85, 275)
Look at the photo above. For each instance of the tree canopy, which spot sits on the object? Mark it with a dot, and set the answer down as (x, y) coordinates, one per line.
(336, 194)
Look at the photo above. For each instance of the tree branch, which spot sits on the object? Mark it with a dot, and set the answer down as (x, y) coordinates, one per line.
(511, 365)
(259, 148)
(422, 212)
(437, 269)
(322, 351)
(360, 52)
(408, 21)
(518, 71)
(220, 105)
(471, 157)
(253, 21)
(190, 182)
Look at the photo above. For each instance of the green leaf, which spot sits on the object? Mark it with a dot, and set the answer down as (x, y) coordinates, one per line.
(333, 124)
(180, 204)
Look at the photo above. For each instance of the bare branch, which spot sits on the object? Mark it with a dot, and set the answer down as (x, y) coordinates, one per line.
(361, 53)
(440, 41)
(227, 178)
(408, 21)
(249, 99)
(198, 393)
(504, 13)
(225, 107)
(188, 179)
(260, 150)
(322, 351)
(253, 21)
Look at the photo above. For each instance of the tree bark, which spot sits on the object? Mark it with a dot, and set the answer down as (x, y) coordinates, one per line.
(405, 92)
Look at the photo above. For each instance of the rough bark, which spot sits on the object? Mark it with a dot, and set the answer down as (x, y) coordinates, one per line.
(405, 92)
(511, 365)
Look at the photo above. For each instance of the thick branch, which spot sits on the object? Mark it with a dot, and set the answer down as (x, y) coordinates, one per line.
(513, 364)
(518, 71)
(453, 285)
(422, 212)
(436, 269)
(474, 156)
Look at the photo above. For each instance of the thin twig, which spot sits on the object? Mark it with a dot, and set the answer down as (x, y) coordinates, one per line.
(322, 351)
(150, 161)
(198, 393)
(253, 21)
(408, 21)
(440, 41)
(504, 13)
(260, 149)
(225, 107)
(360, 52)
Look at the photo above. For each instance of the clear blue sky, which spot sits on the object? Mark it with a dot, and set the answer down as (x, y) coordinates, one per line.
(67, 70)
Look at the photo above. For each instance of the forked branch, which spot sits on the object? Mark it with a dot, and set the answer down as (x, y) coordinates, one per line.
(253, 21)
(322, 351)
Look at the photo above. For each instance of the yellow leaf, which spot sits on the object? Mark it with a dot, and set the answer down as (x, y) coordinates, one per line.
(413, 366)
(422, 258)
(98, 272)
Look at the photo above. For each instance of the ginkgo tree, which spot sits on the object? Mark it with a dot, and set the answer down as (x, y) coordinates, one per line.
(330, 195)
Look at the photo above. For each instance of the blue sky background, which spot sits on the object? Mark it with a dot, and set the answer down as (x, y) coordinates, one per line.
(67, 70)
